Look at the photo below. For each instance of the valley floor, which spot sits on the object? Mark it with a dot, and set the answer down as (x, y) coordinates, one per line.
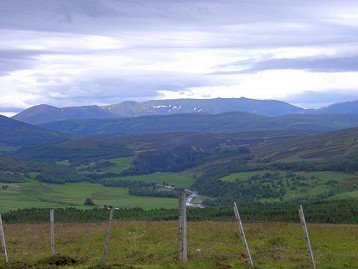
(154, 244)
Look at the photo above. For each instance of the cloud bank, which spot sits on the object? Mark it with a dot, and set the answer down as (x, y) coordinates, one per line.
(84, 52)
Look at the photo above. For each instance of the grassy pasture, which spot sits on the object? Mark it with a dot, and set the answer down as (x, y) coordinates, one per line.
(119, 165)
(174, 179)
(346, 195)
(211, 244)
(36, 194)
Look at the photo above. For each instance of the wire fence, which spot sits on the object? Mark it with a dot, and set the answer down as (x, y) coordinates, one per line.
(213, 235)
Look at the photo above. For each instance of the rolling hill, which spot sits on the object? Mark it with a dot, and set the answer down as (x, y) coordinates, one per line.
(15, 133)
(259, 165)
(197, 122)
(350, 107)
(338, 144)
(87, 149)
(204, 123)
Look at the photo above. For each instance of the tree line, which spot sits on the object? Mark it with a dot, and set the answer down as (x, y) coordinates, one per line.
(344, 211)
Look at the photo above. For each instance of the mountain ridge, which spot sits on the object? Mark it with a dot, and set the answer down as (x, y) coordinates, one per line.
(41, 114)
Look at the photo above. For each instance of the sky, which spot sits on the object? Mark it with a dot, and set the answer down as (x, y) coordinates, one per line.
(86, 52)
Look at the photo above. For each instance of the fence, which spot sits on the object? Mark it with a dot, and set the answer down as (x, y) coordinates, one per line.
(182, 235)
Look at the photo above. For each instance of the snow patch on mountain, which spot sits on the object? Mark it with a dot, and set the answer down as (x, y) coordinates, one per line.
(160, 106)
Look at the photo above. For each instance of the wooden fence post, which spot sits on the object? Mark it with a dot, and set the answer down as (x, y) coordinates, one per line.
(104, 258)
(3, 245)
(243, 236)
(307, 239)
(183, 243)
(52, 231)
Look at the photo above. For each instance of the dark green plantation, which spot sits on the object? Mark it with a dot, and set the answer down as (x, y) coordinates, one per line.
(343, 211)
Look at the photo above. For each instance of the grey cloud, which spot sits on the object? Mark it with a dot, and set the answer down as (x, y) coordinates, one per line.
(56, 15)
(163, 26)
(310, 99)
(127, 86)
(11, 60)
(313, 64)
(19, 59)
(213, 24)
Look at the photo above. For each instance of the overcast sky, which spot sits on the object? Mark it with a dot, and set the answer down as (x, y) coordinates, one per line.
(84, 52)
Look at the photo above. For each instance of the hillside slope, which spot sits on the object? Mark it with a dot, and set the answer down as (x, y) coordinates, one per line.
(16, 133)
(338, 144)
(45, 113)
(199, 122)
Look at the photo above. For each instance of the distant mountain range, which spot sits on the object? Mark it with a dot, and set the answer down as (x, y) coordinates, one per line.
(182, 115)
(44, 113)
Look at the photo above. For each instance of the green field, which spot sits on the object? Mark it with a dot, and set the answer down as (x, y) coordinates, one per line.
(346, 195)
(118, 165)
(211, 245)
(36, 194)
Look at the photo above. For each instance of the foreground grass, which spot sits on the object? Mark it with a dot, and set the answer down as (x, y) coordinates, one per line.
(212, 244)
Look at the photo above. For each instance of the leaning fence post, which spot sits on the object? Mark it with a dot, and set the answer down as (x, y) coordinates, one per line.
(307, 239)
(243, 236)
(183, 244)
(52, 231)
(2, 234)
(104, 258)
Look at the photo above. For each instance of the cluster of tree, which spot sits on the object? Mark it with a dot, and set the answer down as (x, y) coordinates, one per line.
(242, 164)
(344, 211)
(257, 187)
(89, 202)
(180, 158)
(140, 188)
(51, 153)
(153, 192)
(126, 183)
(59, 174)
(11, 177)
(346, 165)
